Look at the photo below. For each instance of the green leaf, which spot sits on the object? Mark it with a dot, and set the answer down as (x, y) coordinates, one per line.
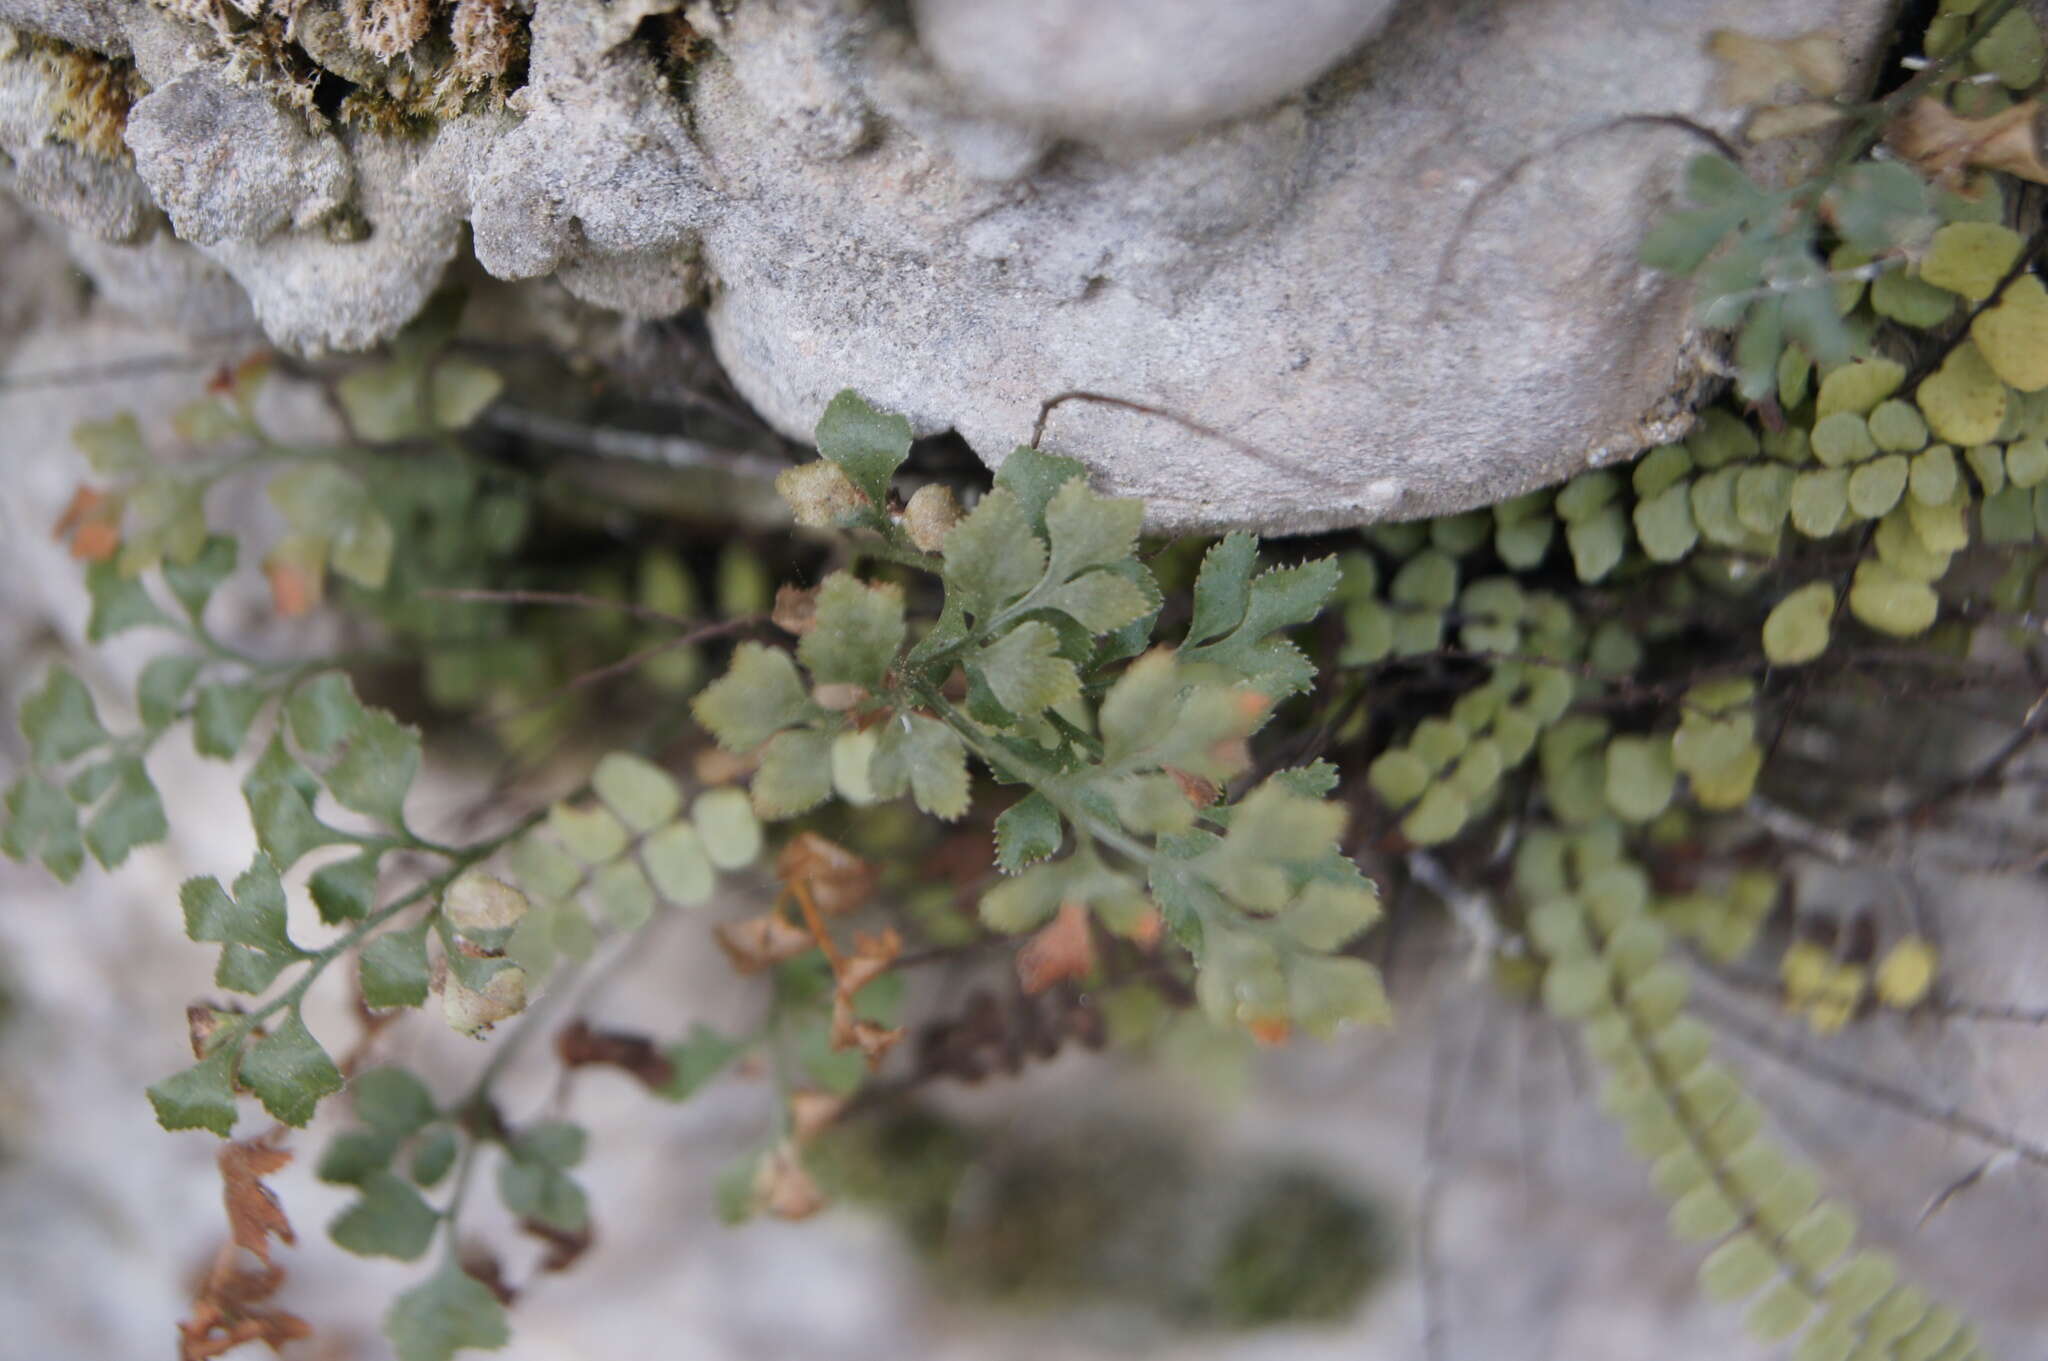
(1025, 672)
(542, 1193)
(1440, 815)
(346, 889)
(1640, 777)
(1820, 501)
(42, 822)
(1737, 1269)
(1089, 530)
(162, 687)
(131, 816)
(1398, 776)
(858, 632)
(543, 868)
(1033, 477)
(1964, 401)
(1664, 524)
(390, 1220)
(591, 833)
(384, 402)
(394, 968)
(393, 1101)
(435, 1155)
(60, 721)
(1891, 602)
(927, 756)
(795, 774)
(1223, 587)
(114, 447)
(1326, 994)
(459, 389)
(732, 834)
(324, 712)
(200, 1097)
(868, 445)
(377, 769)
(1797, 630)
(193, 582)
(448, 1312)
(759, 695)
(1876, 486)
(279, 794)
(354, 1154)
(289, 1071)
(118, 604)
(676, 862)
(695, 1061)
(1103, 602)
(992, 557)
(361, 549)
(624, 895)
(254, 916)
(221, 715)
(1970, 258)
(1278, 599)
(1597, 542)
(640, 792)
(1028, 831)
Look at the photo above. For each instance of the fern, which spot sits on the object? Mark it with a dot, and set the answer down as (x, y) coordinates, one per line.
(1776, 1239)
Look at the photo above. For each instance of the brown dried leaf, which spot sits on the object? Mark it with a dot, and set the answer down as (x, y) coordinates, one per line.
(1942, 144)
(1752, 70)
(578, 1046)
(563, 1246)
(871, 958)
(811, 1113)
(225, 1313)
(1791, 120)
(782, 1186)
(1063, 948)
(297, 572)
(92, 521)
(839, 881)
(254, 1216)
(1270, 1031)
(849, 1032)
(1200, 792)
(796, 610)
(758, 942)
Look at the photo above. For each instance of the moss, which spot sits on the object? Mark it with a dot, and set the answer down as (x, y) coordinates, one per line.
(89, 97)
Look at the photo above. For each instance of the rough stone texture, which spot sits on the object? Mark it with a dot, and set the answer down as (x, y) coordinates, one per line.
(256, 171)
(1372, 259)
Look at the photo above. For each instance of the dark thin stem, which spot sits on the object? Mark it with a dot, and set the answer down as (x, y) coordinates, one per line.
(1857, 1083)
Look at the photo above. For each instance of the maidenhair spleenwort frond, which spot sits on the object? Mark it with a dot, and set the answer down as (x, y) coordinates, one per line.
(1777, 1240)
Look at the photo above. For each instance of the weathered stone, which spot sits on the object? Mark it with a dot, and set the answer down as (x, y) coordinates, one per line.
(228, 164)
(1335, 260)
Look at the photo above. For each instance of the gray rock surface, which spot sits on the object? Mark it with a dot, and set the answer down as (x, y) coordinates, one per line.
(1354, 259)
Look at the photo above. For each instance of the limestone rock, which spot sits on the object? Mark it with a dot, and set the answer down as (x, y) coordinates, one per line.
(228, 164)
(1335, 260)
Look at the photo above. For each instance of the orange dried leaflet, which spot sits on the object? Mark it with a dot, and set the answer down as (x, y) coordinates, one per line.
(254, 1216)
(228, 1312)
(92, 523)
(838, 881)
(760, 942)
(1063, 948)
